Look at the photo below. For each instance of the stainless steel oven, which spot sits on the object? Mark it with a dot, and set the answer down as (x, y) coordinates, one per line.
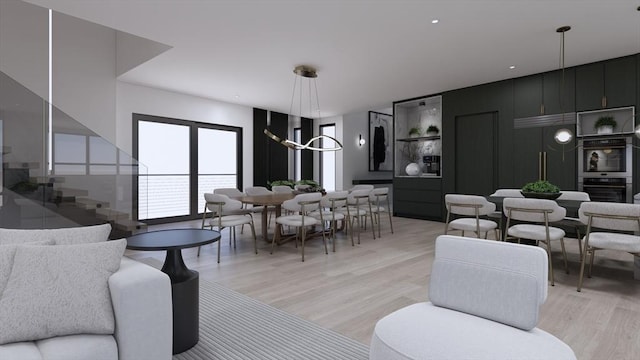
(605, 169)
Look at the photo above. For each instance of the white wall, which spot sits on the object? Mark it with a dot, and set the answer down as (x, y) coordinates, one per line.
(24, 45)
(150, 101)
(356, 158)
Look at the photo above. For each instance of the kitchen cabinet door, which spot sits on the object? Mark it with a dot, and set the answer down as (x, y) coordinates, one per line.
(527, 99)
(527, 146)
(552, 86)
(607, 84)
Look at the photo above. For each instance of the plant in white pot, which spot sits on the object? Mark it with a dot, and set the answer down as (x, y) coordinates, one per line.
(605, 124)
(433, 130)
(414, 132)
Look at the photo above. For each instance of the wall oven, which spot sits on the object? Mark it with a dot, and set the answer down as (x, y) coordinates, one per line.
(605, 169)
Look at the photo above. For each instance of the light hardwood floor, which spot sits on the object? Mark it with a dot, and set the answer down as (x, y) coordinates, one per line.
(349, 290)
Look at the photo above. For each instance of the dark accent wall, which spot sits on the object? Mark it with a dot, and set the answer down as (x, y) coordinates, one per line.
(270, 159)
(306, 133)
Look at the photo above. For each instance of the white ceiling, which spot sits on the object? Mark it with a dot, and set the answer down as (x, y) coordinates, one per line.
(367, 53)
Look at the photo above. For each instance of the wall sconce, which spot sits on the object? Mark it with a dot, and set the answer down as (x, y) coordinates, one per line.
(361, 141)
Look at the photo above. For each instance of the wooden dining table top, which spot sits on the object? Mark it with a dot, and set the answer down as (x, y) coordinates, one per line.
(267, 200)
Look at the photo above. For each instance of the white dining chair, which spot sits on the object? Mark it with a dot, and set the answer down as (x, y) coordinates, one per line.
(226, 213)
(599, 216)
(379, 203)
(469, 209)
(257, 191)
(574, 221)
(301, 205)
(538, 214)
(332, 205)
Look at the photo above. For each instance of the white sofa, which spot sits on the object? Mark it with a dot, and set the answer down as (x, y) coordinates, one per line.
(142, 309)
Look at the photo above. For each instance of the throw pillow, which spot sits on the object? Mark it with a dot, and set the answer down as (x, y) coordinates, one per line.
(7, 253)
(59, 290)
(63, 236)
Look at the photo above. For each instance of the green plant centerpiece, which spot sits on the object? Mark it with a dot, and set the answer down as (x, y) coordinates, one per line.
(605, 124)
(289, 183)
(414, 132)
(541, 189)
(432, 129)
(310, 186)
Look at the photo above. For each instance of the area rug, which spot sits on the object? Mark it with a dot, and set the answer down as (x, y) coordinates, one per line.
(235, 326)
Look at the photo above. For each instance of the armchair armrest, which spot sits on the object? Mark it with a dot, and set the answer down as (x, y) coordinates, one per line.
(141, 298)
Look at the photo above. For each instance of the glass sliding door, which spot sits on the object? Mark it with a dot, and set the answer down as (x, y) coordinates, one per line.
(328, 158)
(182, 160)
(217, 161)
(164, 190)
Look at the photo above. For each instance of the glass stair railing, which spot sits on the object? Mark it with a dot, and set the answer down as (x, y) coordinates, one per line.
(58, 173)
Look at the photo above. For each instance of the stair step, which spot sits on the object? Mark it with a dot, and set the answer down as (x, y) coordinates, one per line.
(130, 225)
(90, 204)
(111, 215)
(47, 179)
(21, 165)
(69, 192)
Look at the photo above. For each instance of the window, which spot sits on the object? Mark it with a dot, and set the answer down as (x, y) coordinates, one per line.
(328, 158)
(183, 160)
(297, 158)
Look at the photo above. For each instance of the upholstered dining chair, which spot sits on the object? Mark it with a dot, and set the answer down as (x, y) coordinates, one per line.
(361, 187)
(379, 203)
(332, 205)
(282, 189)
(301, 205)
(227, 213)
(469, 209)
(235, 193)
(600, 216)
(572, 221)
(256, 191)
(357, 200)
(537, 215)
(484, 304)
(508, 193)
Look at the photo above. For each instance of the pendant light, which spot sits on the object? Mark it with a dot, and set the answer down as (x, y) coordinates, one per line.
(309, 73)
(562, 136)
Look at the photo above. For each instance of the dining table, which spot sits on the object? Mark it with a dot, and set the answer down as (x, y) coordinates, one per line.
(274, 200)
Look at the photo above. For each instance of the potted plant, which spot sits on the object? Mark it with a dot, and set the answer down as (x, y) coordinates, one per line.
(541, 189)
(289, 183)
(605, 124)
(432, 130)
(414, 132)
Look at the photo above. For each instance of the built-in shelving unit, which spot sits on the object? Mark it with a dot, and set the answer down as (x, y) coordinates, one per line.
(624, 117)
(418, 155)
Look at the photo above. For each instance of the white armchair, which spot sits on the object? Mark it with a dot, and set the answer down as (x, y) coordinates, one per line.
(485, 300)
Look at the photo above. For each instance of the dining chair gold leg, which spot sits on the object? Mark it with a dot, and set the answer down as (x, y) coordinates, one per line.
(564, 255)
(551, 278)
(390, 221)
(218, 251)
(303, 236)
(255, 241)
(579, 240)
(593, 253)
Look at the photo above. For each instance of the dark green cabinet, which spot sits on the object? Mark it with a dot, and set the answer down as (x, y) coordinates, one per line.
(418, 198)
(606, 84)
(541, 94)
(534, 148)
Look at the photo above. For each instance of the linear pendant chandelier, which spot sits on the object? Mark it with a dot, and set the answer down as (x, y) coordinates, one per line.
(303, 72)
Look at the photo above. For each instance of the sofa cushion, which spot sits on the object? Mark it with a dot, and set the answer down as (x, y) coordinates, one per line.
(79, 347)
(64, 236)
(59, 290)
(7, 252)
(21, 350)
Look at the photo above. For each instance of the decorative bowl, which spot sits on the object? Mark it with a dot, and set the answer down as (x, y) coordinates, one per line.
(540, 195)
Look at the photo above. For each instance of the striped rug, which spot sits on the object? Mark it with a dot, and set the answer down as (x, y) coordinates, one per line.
(234, 326)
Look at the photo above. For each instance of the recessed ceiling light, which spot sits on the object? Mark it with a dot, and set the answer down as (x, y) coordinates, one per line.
(512, 67)
(435, 21)
(236, 96)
